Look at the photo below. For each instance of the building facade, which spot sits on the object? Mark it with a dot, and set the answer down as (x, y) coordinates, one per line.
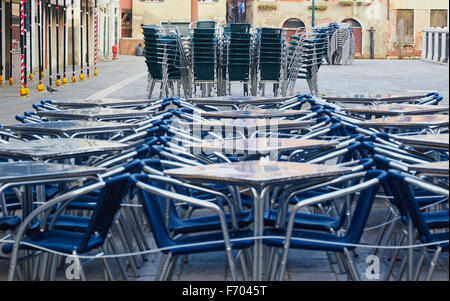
(396, 24)
(181, 13)
(52, 32)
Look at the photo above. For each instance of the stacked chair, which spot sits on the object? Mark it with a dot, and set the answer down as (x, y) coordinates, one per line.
(341, 44)
(166, 60)
(135, 208)
(204, 56)
(270, 56)
(306, 51)
(212, 58)
(237, 45)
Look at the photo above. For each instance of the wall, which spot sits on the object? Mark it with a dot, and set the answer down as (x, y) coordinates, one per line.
(127, 46)
(368, 14)
(213, 11)
(421, 20)
(145, 12)
(157, 12)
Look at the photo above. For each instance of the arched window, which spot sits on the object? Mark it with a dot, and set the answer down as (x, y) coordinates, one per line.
(352, 23)
(293, 23)
(357, 35)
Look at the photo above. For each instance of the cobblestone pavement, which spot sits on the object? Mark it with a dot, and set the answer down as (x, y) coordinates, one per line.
(364, 76)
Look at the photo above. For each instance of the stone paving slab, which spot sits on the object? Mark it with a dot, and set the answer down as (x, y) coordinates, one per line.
(363, 76)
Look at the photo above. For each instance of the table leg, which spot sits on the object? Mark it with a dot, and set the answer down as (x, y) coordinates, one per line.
(410, 250)
(258, 230)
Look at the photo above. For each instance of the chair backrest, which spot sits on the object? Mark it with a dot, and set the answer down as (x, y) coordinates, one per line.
(107, 206)
(173, 213)
(364, 205)
(407, 204)
(154, 211)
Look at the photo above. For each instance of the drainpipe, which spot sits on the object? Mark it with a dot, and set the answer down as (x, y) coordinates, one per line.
(194, 10)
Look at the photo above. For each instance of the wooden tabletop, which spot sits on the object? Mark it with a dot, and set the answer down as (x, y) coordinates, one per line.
(254, 124)
(396, 109)
(439, 141)
(57, 148)
(237, 100)
(254, 113)
(68, 127)
(434, 168)
(372, 98)
(105, 102)
(259, 145)
(39, 171)
(94, 113)
(422, 121)
(258, 172)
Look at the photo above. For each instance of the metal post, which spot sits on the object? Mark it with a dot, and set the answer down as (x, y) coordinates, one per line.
(64, 79)
(87, 38)
(23, 91)
(313, 13)
(11, 79)
(49, 21)
(95, 38)
(371, 30)
(30, 31)
(74, 78)
(58, 77)
(81, 40)
(40, 86)
(1, 43)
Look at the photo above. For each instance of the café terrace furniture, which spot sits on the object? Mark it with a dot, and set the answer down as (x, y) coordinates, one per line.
(69, 128)
(431, 122)
(254, 114)
(247, 126)
(369, 98)
(237, 101)
(437, 141)
(94, 114)
(260, 176)
(30, 173)
(259, 146)
(438, 168)
(104, 102)
(49, 149)
(395, 109)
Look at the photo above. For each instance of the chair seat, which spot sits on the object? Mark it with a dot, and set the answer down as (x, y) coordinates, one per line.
(210, 237)
(437, 219)
(9, 222)
(441, 237)
(306, 221)
(58, 240)
(208, 223)
(326, 245)
(66, 223)
(84, 202)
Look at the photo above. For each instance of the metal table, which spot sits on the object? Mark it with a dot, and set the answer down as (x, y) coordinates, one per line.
(260, 146)
(94, 114)
(395, 109)
(36, 173)
(59, 148)
(247, 125)
(254, 114)
(438, 141)
(260, 176)
(237, 100)
(69, 127)
(404, 122)
(105, 102)
(439, 168)
(375, 98)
